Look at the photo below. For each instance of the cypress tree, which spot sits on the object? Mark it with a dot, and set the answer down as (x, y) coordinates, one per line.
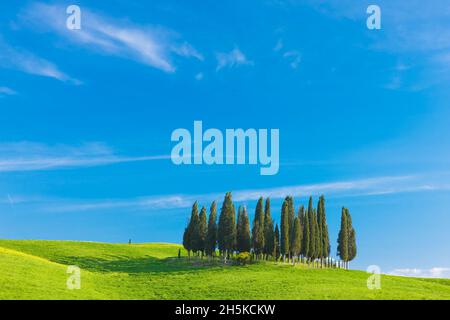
(322, 220)
(301, 217)
(297, 239)
(211, 236)
(269, 236)
(186, 241)
(258, 228)
(284, 236)
(202, 230)
(319, 232)
(318, 243)
(291, 219)
(343, 238)
(312, 230)
(193, 229)
(306, 237)
(239, 229)
(227, 226)
(351, 238)
(277, 251)
(243, 243)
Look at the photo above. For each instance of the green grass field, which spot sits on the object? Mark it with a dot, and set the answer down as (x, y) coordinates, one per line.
(37, 270)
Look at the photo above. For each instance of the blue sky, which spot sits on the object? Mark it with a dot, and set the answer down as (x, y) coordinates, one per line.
(363, 114)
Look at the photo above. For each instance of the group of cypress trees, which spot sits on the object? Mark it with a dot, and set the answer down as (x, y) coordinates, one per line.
(305, 236)
(301, 237)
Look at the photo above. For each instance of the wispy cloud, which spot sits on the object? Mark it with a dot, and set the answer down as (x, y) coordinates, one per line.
(136, 204)
(231, 59)
(294, 58)
(278, 46)
(408, 29)
(436, 272)
(149, 45)
(30, 156)
(5, 91)
(25, 61)
(353, 188)
(199, 76)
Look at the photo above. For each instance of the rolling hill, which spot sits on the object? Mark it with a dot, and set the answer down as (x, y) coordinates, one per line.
(31, 269)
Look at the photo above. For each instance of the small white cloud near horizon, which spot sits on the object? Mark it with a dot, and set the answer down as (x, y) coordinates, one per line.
(32, 156)
(150, 45)
(231, 59)
(436, 272)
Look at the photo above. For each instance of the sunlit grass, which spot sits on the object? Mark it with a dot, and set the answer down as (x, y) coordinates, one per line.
(37, 270)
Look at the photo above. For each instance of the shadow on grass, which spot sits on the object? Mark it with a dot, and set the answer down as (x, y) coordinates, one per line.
(142, 265)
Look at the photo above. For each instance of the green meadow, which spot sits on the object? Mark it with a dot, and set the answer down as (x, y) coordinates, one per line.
(38, 270)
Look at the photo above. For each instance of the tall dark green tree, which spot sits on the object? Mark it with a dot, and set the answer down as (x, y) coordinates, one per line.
(318, 243)
(351, 239)
(186, 241)
(312, 230)
(284, 236)
(306, 247)
(297, 239)
(301, 220)
(211, 236)
(243, 243)
(301, 214)
(202, 231)
(269, 236)
(258, 228)
(193, 229)
(323, 227)
(277, 250)
(343, 237)
(291, 219)
(227, 226)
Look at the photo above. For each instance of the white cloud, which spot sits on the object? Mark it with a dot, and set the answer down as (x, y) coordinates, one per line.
(408, 28)
(363, 187)
(278, 46)
(5, 91)
(294, 57)
(30, 156)
(24, 61)
(149, 45)
(394, 83)
(143, 203)
(231, 59)
(186, 50)
(199, 76)
(436, 272)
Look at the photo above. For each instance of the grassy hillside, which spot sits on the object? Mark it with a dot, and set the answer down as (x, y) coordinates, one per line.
(37, 270)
